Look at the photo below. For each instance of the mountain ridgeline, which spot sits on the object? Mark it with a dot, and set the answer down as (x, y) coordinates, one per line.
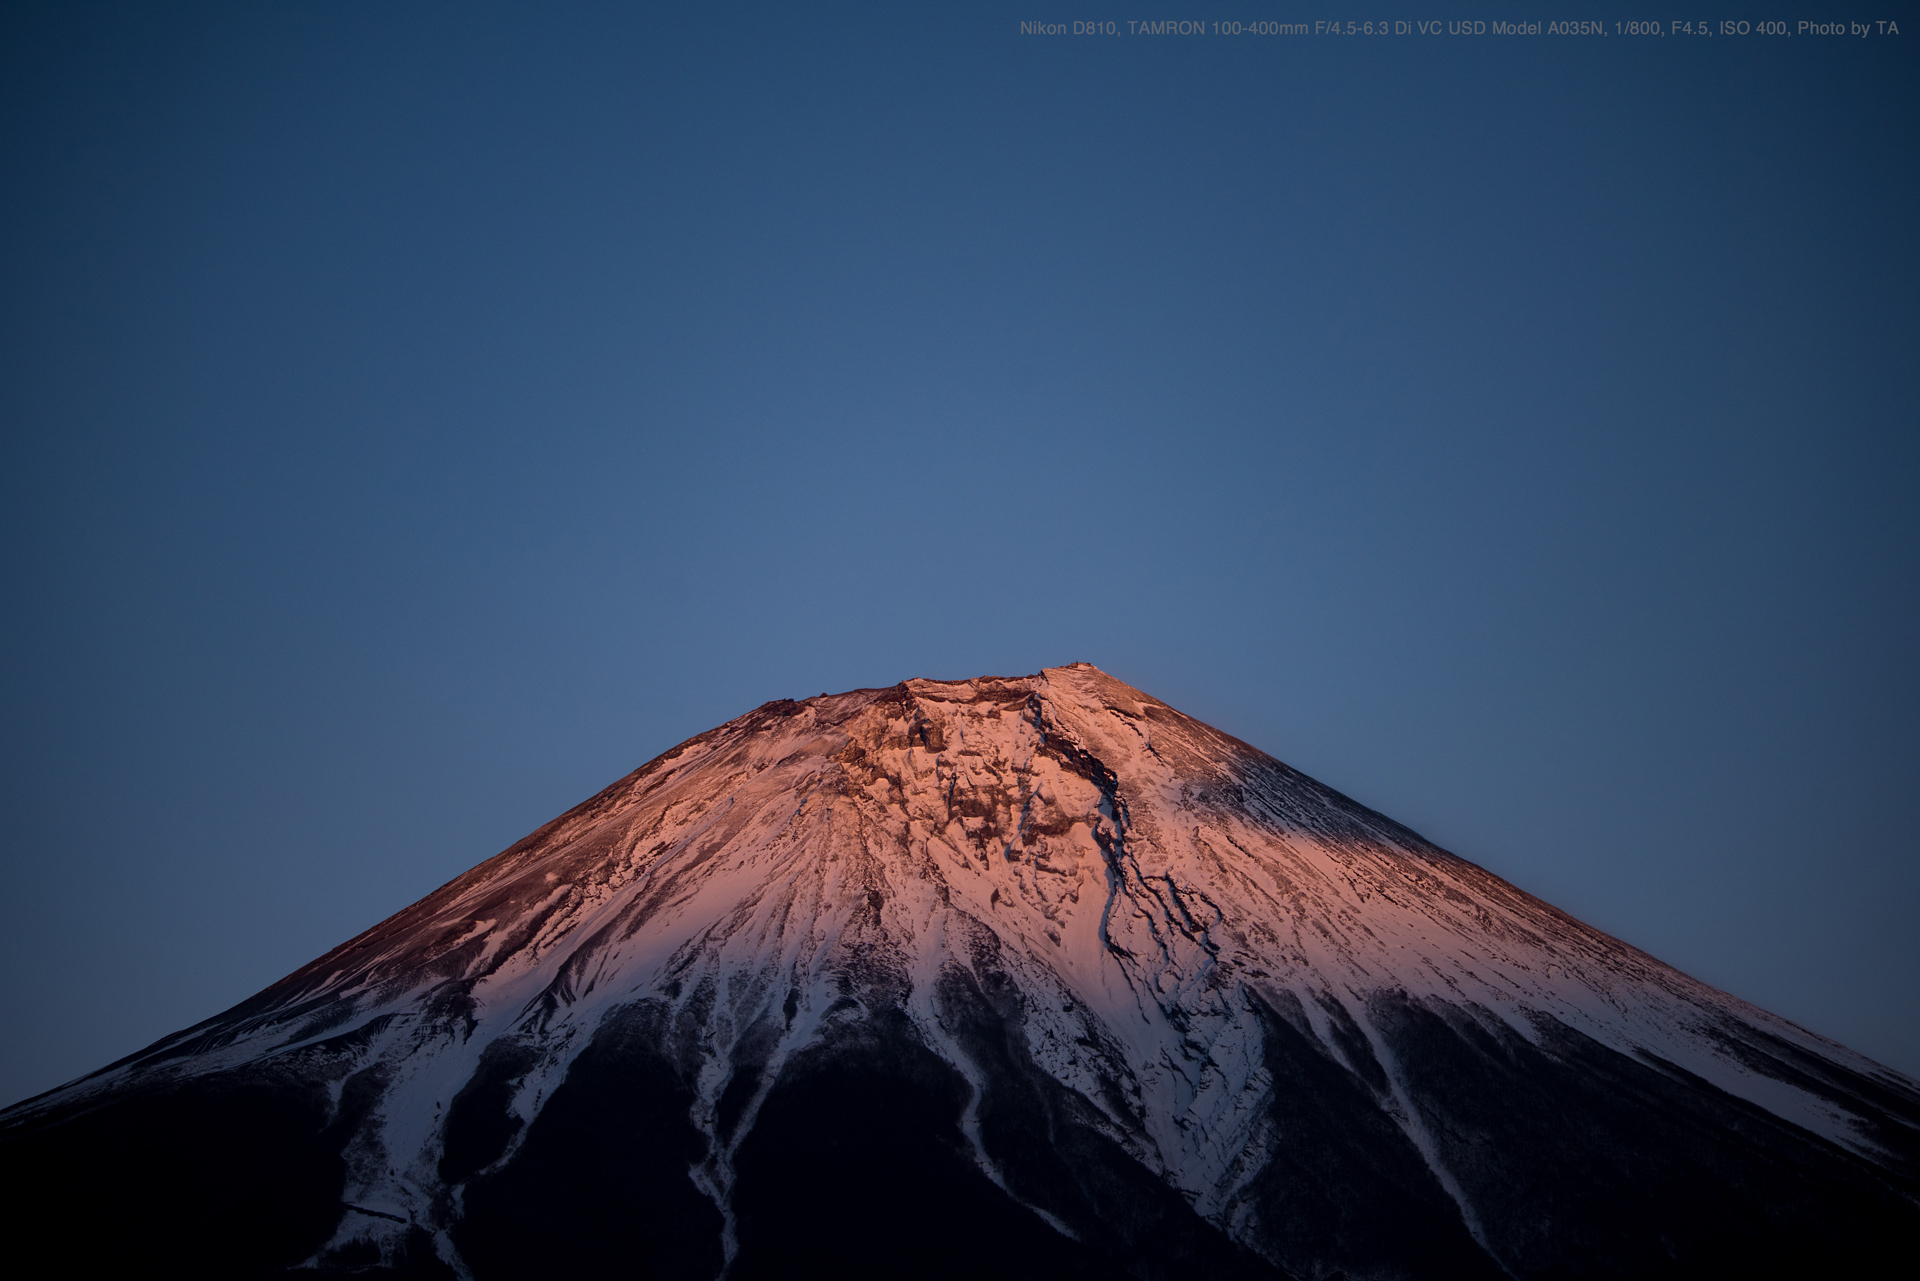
(1029, 977)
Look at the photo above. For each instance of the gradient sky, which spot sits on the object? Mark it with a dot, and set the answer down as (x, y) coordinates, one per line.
(416, 417)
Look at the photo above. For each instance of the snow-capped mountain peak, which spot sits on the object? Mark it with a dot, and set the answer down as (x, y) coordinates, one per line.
(1146, 994)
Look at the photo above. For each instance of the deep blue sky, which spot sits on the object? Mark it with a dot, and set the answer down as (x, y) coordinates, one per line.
(417, 417)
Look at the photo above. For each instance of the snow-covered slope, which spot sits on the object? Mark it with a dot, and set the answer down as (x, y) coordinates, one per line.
(1072, 941)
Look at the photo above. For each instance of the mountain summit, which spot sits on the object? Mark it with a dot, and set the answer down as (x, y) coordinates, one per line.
(992, 978)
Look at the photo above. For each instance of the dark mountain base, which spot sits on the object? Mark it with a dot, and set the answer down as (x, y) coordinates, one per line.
(600, 1188)
(229, 1176)
(1582, 1163)
(1585, 1163)
(1346, 1186)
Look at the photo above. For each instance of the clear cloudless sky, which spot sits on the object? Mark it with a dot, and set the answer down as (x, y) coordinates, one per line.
(416, 416)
